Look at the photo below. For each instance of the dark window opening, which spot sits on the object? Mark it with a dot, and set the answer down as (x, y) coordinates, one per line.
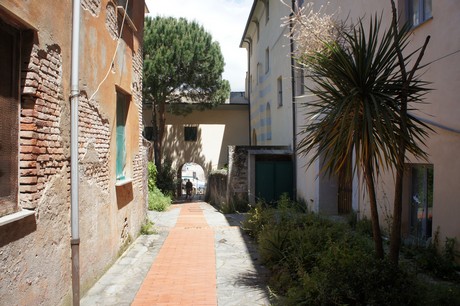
(421, 211)
(190, 133)
(9, 113)
(149, 133)
(280, 91)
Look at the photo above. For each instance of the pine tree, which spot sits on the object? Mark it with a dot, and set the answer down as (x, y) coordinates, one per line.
(182, 63)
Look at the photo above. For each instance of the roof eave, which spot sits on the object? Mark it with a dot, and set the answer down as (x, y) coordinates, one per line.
(248, 22)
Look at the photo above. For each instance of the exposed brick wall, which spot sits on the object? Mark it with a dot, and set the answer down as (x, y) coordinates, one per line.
(41, 143)
(93, 142)
(111, 20)
(140, 160)
(93, 6)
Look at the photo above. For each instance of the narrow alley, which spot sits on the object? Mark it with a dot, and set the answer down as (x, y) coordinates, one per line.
(198, 257)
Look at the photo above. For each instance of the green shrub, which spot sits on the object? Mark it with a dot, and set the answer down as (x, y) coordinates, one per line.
(147, 228)
(158, 201)
(166, 178)
(364, 227)
(258, 218)
(439, 294)
(436, 261)
(348, 275)
(152, 175)
(262, 215)
(316, 261)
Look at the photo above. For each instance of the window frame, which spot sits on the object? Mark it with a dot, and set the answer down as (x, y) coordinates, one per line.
(9, 204)
(190, 133)
(279, 91)
(422, 13)
(267, 60)
(120, 5)
(122, 110)
(267, 11)
(259, 72)
(268, 122)
(421, 183)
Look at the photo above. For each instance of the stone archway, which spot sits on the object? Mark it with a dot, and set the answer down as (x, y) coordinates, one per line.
(196, 174)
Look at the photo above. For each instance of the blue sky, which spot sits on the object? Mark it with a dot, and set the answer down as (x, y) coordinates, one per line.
(224, 19)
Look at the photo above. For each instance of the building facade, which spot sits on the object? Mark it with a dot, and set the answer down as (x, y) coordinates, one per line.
(203, 137)
(35, 226)
(276, 93)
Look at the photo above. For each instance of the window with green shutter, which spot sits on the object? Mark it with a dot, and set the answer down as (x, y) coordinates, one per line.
(122, 112)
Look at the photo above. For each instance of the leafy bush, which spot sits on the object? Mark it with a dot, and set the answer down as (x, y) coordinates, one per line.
(236, 205)
(257, 219)
(436, 261)
(165, 178)
(262, 215)
(439, 294)
(152, 175)
(147, 228)
(157, 200)
(316, 261)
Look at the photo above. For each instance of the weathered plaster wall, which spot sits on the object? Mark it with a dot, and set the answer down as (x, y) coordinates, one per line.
(35, 252)
(35, 258)
(441, 107)
(264, 74)
(217, 129)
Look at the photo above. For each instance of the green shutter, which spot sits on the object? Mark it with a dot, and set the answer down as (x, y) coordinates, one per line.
(121, 138)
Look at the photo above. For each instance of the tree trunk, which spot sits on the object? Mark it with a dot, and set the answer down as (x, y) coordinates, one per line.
(160, 122)
(374, 211)
(395, 235)
(395, 238)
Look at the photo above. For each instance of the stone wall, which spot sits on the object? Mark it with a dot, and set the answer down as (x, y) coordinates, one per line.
(216, 190)
(238, 179)
(241, 171)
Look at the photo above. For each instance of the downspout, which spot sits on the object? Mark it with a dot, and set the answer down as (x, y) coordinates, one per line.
(74, 95)
(294, 127)
(249, 83)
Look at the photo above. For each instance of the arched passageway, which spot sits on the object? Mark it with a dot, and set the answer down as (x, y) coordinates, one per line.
(195, 173)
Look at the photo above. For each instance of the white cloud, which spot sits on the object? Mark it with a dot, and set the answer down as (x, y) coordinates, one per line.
(224, 19)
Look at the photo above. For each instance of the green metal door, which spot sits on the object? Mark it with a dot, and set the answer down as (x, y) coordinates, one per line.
(273, 178)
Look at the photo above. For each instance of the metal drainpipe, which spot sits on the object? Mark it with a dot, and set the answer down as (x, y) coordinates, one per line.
(74, 95)
(294, 127)
(249, 89)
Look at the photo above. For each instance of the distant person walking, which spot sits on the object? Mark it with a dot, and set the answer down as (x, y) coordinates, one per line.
(188, 190)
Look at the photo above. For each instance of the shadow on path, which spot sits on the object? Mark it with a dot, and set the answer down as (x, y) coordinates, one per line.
(240, 278)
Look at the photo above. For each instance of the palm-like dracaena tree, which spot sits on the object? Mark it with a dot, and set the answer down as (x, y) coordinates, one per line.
(357, 82)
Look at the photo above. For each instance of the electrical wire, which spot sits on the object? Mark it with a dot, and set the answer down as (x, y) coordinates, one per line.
(115, 53)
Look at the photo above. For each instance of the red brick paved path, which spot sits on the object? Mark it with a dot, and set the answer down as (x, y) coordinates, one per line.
(184, 272)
